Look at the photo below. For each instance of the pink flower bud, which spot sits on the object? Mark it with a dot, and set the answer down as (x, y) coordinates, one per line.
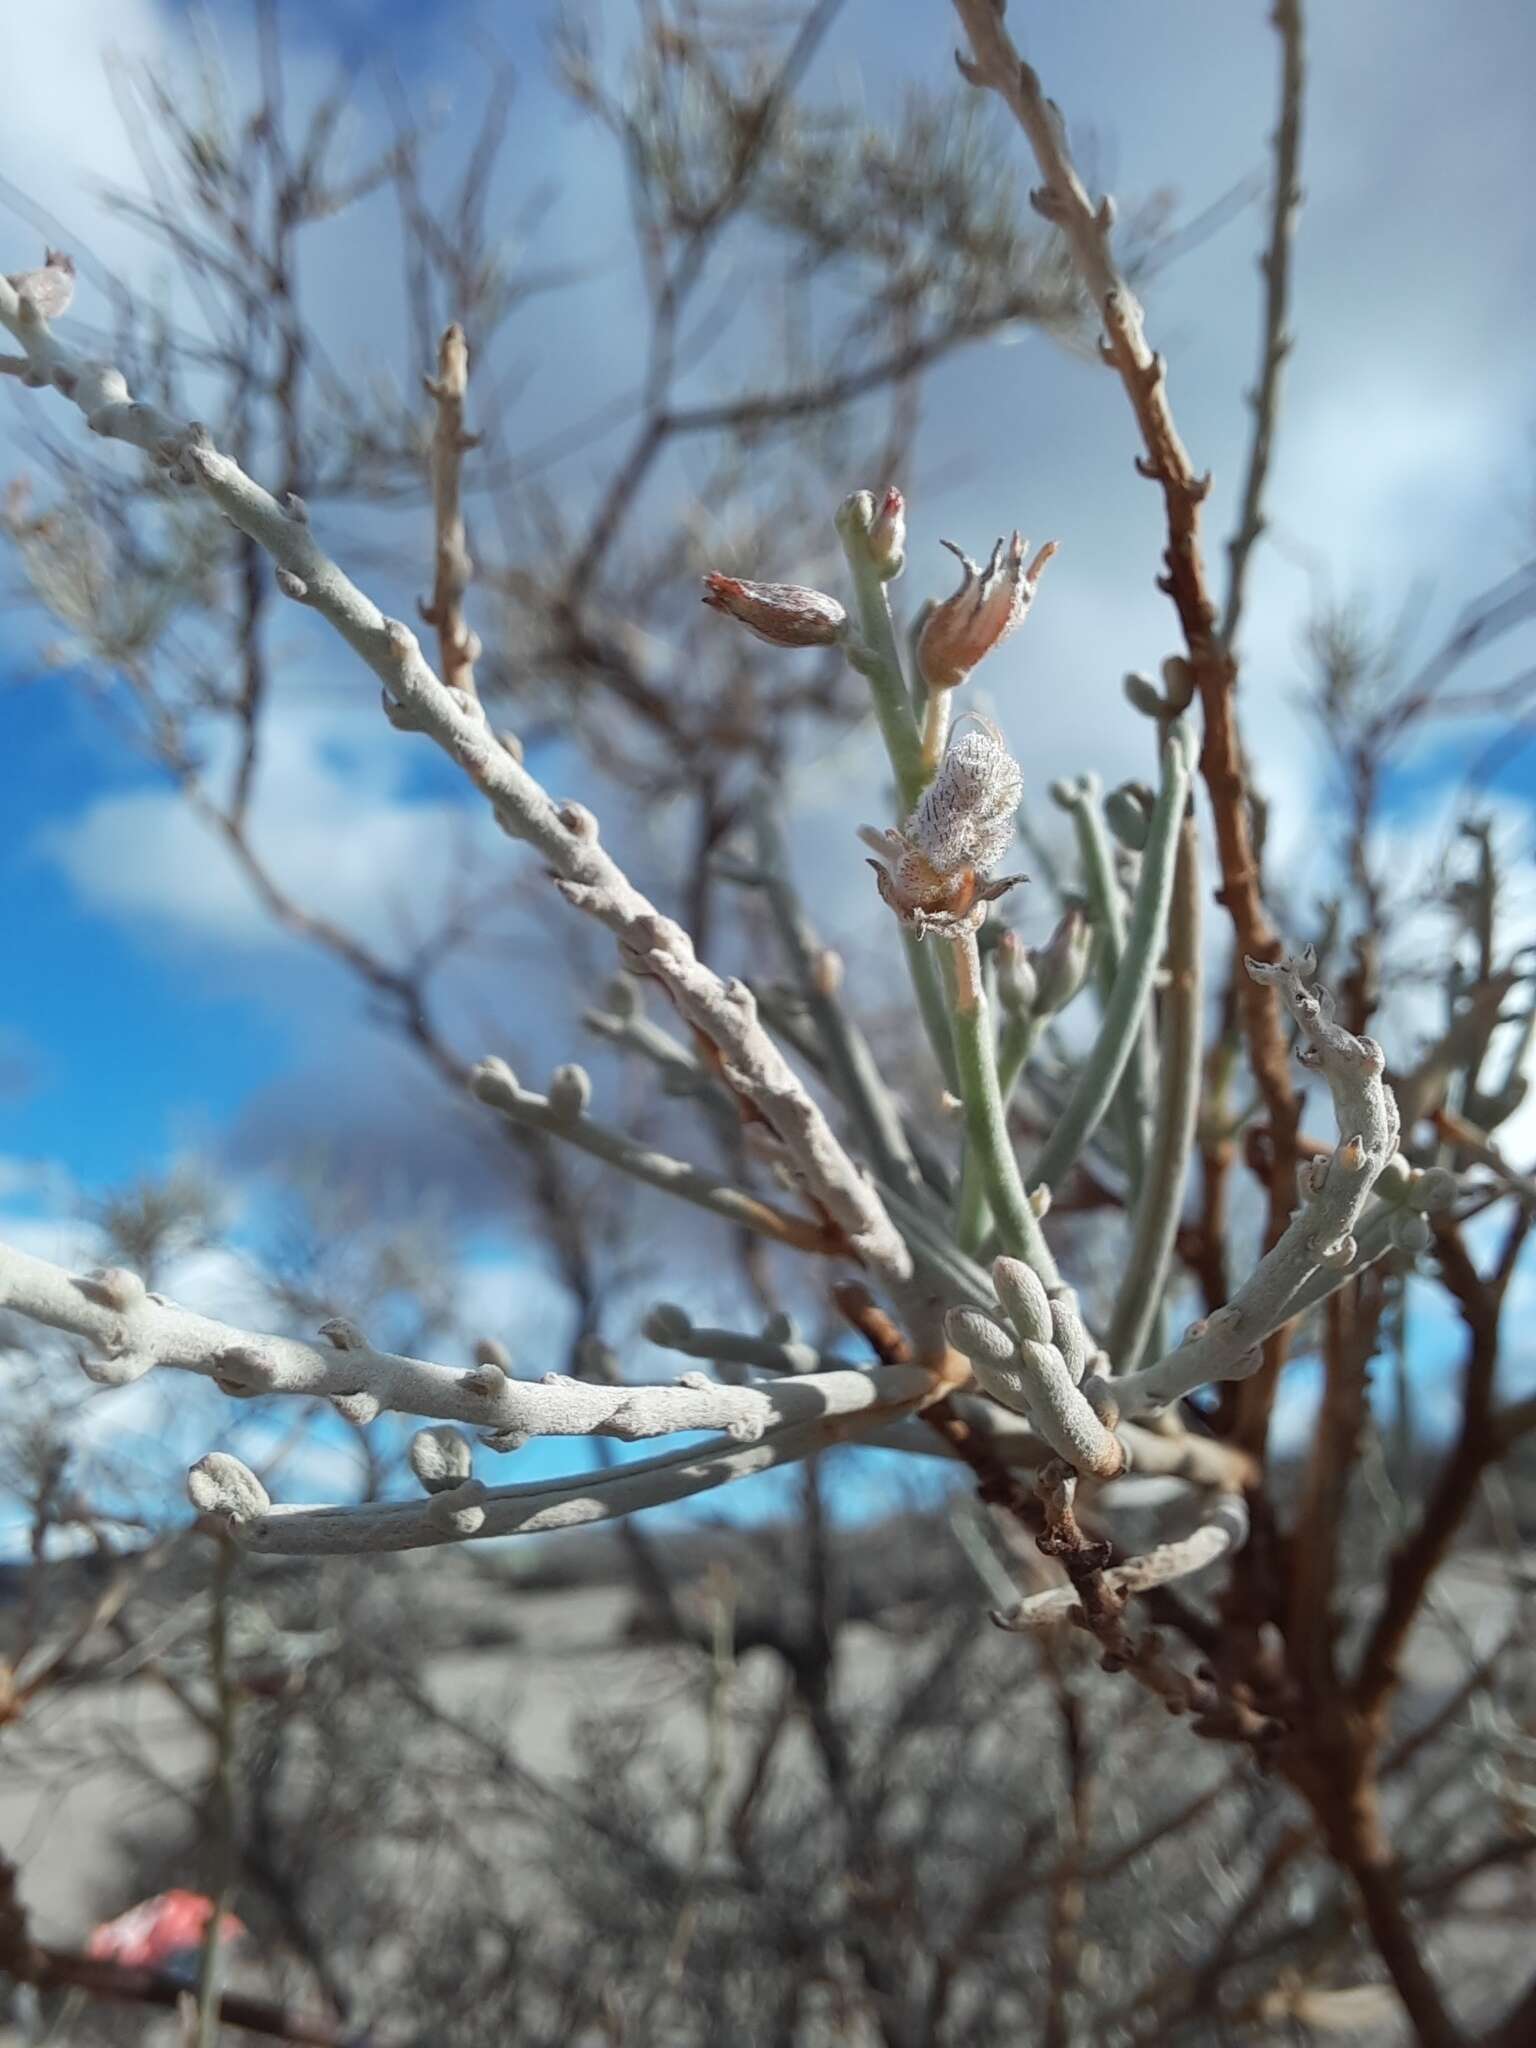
(783, 614)
(982, 613)
(888, 535)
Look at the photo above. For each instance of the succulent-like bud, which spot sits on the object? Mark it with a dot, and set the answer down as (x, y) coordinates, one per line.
(667, 1324)
(936, 872)
(47, 291)
(1018, 987)
(1411, 1232)
(1179, 681)
(888, 535)
(1061, 964)
(493, 1357)
(783, 614)
(458, 1509)
(982, 613)
(1024, 1298)
(570, 1090)
(1394, 1179)
(114, 1287)
(980, 1337)
(1143, 695)
(221, 1485)
(1338, 1254)
(359, 1409)
(342, 1334)
(1432, 1190)
(441, 1458)
(1128, 814)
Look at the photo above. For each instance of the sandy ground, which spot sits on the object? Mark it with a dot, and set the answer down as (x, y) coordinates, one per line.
(84, 1765)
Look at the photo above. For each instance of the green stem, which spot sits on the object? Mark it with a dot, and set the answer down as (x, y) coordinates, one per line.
(1106, 906)
(986, 1122)
(878, 659)
(876, 656)
(936, 1252)
(1161, 1198)
(1106, 909)
(1015, 1048)
(1101, 1072)
(932, 1007)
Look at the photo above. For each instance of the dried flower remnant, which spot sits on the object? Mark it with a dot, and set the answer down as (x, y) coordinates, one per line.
(989, 604)
(936, 873)
(783, 614)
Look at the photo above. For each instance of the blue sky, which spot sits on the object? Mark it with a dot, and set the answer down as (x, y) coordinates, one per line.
(150, 1012)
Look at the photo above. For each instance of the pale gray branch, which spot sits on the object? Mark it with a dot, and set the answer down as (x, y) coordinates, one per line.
(859, 1402)
(1320, 1237)
(563, 834)
(562, 1115)
(129, 1331)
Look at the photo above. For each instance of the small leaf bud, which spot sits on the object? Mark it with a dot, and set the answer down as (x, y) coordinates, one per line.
(667, 1324)
(570, 1090)
(221, 1485)
(1411, 1232)
(441, 1459)
(1020, 1291)
(1018, 986)
(1143, 695)
(1061, 964)
(1128, 814)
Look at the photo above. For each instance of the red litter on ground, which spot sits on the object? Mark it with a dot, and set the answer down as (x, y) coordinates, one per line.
(159, 1931)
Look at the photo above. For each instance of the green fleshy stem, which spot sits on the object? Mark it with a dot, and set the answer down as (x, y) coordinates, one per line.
(986, 1121)
(1160, 1200)
(1102, 1071)
(878, 659)
(1015, 1048)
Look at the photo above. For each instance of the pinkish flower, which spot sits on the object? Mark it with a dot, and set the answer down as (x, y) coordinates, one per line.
(159, 1932)
(783, 614)
(982, 613)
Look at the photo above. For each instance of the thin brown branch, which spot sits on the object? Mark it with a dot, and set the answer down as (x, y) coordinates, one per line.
(1275, 265)
(1063, 200)
(1352, 1323)
(454, 567)
(1102, 1594)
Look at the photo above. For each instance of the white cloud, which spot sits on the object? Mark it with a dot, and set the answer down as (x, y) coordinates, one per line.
(61, 135)
(330, 823)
